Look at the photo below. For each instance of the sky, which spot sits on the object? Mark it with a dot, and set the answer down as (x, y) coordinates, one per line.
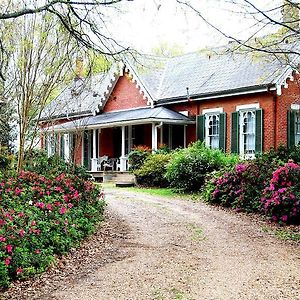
(146, 24)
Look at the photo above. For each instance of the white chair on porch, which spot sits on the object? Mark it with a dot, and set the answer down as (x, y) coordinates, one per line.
(101, 161)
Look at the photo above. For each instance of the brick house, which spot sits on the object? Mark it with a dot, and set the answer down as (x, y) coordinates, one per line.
(240, 103)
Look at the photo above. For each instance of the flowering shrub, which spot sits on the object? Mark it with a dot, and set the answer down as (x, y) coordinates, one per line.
(281, 199)
(242, 187)
(41, 217)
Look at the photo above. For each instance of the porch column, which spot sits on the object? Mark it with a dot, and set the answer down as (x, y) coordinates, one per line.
(161, 134)
(184, 136)
(94, 158)
(123, 157)
(154, 137)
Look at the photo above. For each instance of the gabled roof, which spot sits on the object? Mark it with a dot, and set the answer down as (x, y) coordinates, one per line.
(162, 81)
(134, 116)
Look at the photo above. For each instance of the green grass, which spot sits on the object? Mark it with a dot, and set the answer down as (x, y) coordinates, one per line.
(165, 192)
(283, 233)
(197, 231)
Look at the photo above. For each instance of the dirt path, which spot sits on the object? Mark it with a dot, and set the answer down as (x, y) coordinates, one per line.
(173, 249)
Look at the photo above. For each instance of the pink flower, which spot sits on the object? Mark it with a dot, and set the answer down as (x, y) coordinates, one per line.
(37, 251)
(62, 210)
(70, 205)
(7, 261)
(58, 189)
(9, 248)
(284, 218)
(2, 222)
(40, 204)
(49, 206)
(66, 198)
(22, 232)
(2, 239)
(21, 214)
(19, 271)
(33, 223)
(18, 191)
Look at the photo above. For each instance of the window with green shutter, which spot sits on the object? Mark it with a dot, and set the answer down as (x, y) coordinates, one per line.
(222, 132)
(259, 127)
(247, 132)
(200, 128)
(211, 128)
(293, 129)
(235, 140)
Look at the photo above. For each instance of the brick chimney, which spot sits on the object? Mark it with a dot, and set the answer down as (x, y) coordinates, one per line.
(290, 14)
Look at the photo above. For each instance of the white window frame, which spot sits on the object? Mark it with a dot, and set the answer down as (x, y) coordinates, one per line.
(242, 109)
(209, 112)
(296, 108)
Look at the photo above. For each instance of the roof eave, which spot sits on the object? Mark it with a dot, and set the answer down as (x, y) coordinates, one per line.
(221, 94)
(66, 116)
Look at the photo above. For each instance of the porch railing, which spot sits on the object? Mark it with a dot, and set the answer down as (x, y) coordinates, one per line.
(103, 163)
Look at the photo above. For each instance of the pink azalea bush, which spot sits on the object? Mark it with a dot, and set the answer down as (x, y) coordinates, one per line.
(281, 198)
(240, 188)
(42, 217)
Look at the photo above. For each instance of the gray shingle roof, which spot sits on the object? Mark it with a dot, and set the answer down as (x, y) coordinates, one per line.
(167, 79)
(158, 114)
(205, 75)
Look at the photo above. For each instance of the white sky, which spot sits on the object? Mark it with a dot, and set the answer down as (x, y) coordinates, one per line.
(145, 24)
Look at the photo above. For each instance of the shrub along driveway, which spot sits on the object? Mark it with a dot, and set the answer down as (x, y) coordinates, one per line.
(162, 248)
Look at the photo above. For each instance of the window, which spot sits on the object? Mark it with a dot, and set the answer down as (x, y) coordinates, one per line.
(212, 129)
(293, 127)
(297, 129)
(247, 129)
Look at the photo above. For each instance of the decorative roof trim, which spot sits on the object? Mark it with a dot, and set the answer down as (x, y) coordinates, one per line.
(139, 84)
(281, 81)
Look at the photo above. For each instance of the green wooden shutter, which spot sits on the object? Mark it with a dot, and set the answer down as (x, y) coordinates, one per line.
(235, 132)
(222, 132)
(291, 128)
(200, 134)
(259, 128)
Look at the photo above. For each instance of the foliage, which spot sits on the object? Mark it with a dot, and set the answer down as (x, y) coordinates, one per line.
(38, 161)
(241, 187)
(152, 172)
(6, 158)
(41, 217)
(188, 167)
(137, 157)
(281, 198)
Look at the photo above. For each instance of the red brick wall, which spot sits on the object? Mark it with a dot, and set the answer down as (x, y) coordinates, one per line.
(289, 96)
(125, 95)
(265, 100)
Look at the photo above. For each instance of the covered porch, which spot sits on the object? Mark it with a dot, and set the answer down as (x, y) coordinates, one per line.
(108, 138)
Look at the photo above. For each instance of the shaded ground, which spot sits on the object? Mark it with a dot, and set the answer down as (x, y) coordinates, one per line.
(160, 248)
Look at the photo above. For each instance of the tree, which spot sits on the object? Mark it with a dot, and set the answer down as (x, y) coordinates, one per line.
(84, 22)
(274, 27)
(38, 62)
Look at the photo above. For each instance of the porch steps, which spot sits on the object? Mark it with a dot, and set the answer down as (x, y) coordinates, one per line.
(114, 177)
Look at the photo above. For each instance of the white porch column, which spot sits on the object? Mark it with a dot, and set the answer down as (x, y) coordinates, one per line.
(154, 137)
(123, 158)
(94, 158)
(161, 134)
(184, 136)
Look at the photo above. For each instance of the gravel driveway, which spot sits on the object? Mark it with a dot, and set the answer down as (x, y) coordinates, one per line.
(162, 248)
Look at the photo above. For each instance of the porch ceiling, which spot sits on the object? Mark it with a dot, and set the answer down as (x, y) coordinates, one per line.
(128, 117)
